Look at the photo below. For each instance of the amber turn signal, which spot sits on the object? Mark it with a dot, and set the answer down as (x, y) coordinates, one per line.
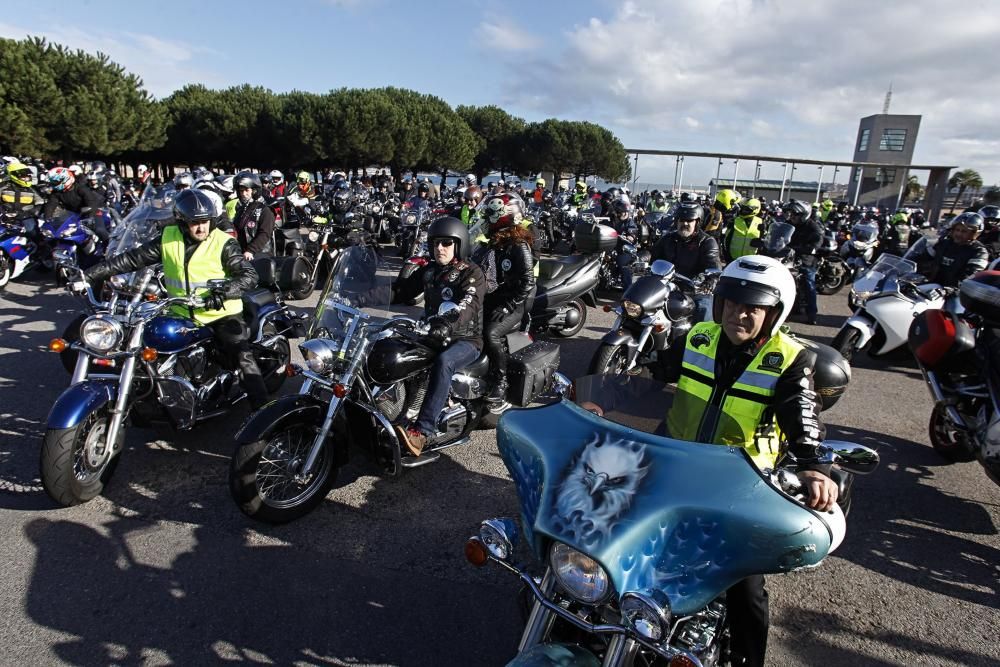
(291, 371)
(607, 308)
(148, 354)
(339, 390)
(57, 345)
(475, 552)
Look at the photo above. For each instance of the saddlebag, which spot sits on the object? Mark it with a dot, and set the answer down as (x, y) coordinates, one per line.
(530, 370)
(594, 238)
(291, 273)
(939, 338)
(831, 375)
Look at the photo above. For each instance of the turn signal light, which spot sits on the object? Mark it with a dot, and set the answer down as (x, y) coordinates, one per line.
(659, 328)
(607, 308)
(57, 345)
(339, 390)
(291, 371)
(148, 354)
(475, 552)
(151, 297)
(681, 661)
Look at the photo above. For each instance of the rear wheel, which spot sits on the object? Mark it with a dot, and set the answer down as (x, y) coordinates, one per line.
(263, 475)
(832, 282)
(74, 463)
(609, 360)
(570, 330)
(945, 438)
(846, 342)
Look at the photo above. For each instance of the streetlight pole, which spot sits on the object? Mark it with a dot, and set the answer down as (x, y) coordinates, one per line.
(680, 182)
(677, 167)
(756, 177)
(857, 186)
(736, 172)
(820, 183)
(784, 177)
(715, 183)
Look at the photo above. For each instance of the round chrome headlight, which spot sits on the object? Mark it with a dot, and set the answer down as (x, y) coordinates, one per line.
(320, 354)
(632, 309)
(579, 575)
(647, 612)
(313, 236)
(101, 334)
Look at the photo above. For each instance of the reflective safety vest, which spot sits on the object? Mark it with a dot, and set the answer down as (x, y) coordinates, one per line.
(230, 208)
(192, 278)
(744, 230)
(738, 416)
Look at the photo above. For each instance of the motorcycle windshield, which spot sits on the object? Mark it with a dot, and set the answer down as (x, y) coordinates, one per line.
(887, 268)
(686, 518)
(358, 282)
(144, 222)
(778, 236)
(865, 233)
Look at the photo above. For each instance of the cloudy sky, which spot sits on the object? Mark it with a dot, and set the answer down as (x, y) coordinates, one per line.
(770, 77)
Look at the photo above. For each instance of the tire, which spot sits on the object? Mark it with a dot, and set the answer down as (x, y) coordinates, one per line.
(569, 332)
(292, 441)
(831, 286)
(609, 360)
(846, 342)
(949, 447)
(67, 476)
(273, 361)
(6, 269)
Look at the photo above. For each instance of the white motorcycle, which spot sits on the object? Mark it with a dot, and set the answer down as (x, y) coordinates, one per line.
(888, 296)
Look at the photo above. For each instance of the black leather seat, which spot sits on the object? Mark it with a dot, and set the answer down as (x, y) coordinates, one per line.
(254, 302)
(550, 269)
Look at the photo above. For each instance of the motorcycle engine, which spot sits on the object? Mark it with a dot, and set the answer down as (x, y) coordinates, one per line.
(193, 364)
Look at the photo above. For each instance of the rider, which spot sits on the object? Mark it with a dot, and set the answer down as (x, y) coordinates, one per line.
(743, 382)
(957, 256)
(538, 194)
(991, 231)
(20, 201)
(580, 198)
(450, 277)
(509, 265)
(194, 251)
(724, 209)
(253, 219)
(825, 208)
(466, 210)
(657, 203)
(423, 197)
(806, 240)
(71, 195)
(745, 228)
(688, 248)
(183, 181)
(621, 220)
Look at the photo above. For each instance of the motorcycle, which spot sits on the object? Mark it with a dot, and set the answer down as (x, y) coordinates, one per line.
(18, 253)
(831, 271)
(959, 356)
(776, 243)
(74, 244)
(859, 249)
(412, 237)
(634, 549)
(364, 372)
(654, 314)
(888, 296)
(166, 367)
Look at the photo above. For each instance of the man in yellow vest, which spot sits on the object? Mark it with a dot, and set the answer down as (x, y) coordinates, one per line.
(19, 201)
(194, 251)
(744, 383)
(745, 228)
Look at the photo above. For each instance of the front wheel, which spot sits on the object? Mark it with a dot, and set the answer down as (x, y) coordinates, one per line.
(609, 360)
(945, 438)
(75, 464)
(577, 310)
(6, 269)
(846, 342)
(262, 476)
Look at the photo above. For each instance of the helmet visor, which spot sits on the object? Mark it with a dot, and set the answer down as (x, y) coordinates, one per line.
(747, 293)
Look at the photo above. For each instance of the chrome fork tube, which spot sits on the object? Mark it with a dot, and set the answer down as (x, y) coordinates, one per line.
(643, 337)
(124, 387)
(82, 366)
(540, 619)
(621, 651)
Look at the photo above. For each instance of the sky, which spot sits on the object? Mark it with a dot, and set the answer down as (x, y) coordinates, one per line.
(768, 77)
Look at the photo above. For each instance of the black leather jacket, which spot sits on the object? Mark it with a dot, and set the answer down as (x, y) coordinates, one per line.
(953, 263)
(806, 240)
(240, 272)
(689, 256)
(254, 225)
(461, 282)
(512, 267)
(75, 200)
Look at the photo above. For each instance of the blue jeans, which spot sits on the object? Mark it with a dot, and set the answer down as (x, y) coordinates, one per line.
(624, 262)
(458, 354)
(809, 282)
(701, 305)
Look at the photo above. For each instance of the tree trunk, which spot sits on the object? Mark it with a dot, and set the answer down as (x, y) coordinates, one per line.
(961, 191)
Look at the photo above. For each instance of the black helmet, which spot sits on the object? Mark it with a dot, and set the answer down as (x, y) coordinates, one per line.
(450, 228)
(424, 187)
(689, 211)
(619, 207)
(972, 220)
(247, 179)
(342, 201)
(990, 212)
(193, 206)
(796, 211)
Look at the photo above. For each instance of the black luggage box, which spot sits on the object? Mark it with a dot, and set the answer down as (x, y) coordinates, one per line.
(291, 273)
(530, 370)
(594, 238)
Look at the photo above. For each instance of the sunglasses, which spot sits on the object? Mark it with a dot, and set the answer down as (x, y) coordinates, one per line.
(444, 243)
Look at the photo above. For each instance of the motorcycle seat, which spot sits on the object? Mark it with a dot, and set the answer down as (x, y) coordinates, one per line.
(254, 302)
(478, 368)
(560, 267)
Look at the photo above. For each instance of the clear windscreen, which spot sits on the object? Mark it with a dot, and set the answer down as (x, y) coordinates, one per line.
(864, 232)
(778, 236)
(359, 281)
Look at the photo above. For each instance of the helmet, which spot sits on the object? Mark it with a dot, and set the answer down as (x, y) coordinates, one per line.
(209, 188)
(470, 180)
(972, 220)
(472, 194)
(19, 174)
(688, 197)
(592, 190)
(581, 187)
(277, 177)
(796, 212)
(503, 210)
(225, 186)
(450, 228)
(303, 177)
(989, 212)
(725, 200)
(827, 204)
(759, 281)
(61, 178)
(342, 201)
(183, 180)
(424, 187)
(620, 209)
(93, 177)
(75, 169)
(689, 211)
(141, 170)
(247, 179)
(539, 182)
(750, 207)
(202, 174)
(193, 206)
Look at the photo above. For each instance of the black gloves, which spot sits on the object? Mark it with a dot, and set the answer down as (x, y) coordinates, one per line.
(440, 331)
(500, 312)
(215, 300)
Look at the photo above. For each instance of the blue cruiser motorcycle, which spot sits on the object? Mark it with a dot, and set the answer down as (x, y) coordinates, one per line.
(636, 550)
(140, 362)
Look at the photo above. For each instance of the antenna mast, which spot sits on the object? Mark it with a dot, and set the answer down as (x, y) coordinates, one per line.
(888, 99)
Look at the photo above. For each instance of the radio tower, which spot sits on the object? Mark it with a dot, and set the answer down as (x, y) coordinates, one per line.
(888, 99)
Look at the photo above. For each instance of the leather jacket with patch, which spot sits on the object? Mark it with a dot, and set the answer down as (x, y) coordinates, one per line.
(514, 266)
(461, 282)
(254, 225)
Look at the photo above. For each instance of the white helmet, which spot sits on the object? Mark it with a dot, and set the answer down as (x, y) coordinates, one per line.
(277, 177)
(141, 169)
(760, 281)
(76, 169)
(470, 179)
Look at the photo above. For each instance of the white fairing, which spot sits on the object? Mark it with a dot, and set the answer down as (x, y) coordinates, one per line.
(864, 324)
(837, 523)
(895, 315)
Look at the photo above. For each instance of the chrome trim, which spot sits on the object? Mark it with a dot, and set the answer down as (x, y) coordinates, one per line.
(935, 388)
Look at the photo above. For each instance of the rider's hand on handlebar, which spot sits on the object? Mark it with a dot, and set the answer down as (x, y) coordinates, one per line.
(214, 301)
(78, 286)
(822, 490)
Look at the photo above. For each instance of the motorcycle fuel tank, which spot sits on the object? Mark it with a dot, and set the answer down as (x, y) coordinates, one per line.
(392, 360)
(173, 334)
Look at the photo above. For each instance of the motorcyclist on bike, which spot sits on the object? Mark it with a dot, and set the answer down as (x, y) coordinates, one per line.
(538, 194)
(71, 195)
(688, 248)
(657, 203)
(194, 251)
(422, 199)
(957, 256)
(253, 219)
(898, 234)
(991, 230)
(628, 232)
(580, 198)
(19, 201)
(459, 333)
(743, 382)
(183, 181)
(465, 210)
(745, 228)
(806, 241)
(724, 209)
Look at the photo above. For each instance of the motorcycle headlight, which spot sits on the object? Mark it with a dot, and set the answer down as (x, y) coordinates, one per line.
(647, 612)
(320, 354)
(632, 309)
(578, 574)
(499, 536)
(313, 236)
(101, 334)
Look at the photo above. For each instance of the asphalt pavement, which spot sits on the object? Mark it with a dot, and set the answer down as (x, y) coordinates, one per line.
(164, 569)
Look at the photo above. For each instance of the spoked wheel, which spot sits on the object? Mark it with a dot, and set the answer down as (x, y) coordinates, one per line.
(272, 361)
(945, 438)
(75, 463)
(609, 360)
(571, 330)
(263, 477)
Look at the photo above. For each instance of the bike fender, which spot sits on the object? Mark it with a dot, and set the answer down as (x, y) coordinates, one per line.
(287, 408)
(864, 325)
(616, 337)
(589, 298)
(554, 655)
(80, 400)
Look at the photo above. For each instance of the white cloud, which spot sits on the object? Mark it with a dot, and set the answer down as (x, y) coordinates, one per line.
(502, 35)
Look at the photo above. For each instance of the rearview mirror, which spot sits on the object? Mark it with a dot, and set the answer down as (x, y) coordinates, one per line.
(850, 456)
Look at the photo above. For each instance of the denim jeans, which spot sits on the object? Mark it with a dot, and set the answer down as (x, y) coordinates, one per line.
(808, 281)
(458, 354)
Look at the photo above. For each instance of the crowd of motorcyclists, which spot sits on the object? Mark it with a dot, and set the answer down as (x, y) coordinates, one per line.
(481, 255)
